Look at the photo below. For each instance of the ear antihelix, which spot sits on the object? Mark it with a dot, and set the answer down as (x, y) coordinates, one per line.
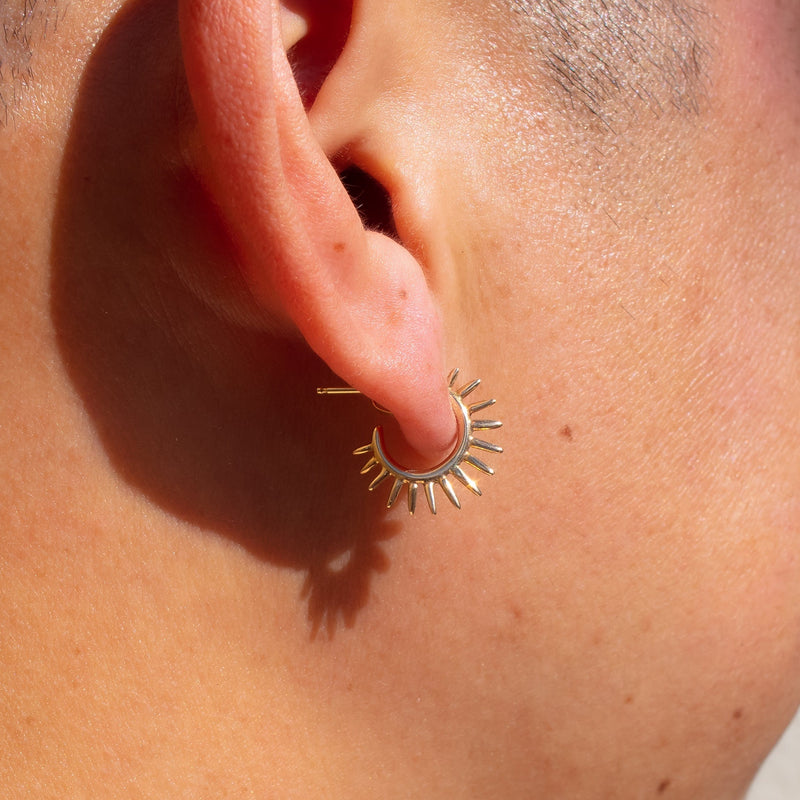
(294, 27)
(359, 298)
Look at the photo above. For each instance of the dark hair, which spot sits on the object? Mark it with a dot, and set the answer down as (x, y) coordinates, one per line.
(617, 57)
(23, 25)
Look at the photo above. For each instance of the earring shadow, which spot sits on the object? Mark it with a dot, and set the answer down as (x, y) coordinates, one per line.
(216, 422)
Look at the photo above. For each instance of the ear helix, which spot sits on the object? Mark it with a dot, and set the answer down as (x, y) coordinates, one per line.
(452, 466)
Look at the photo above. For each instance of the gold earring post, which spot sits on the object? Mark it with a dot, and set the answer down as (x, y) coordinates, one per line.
(336, 390)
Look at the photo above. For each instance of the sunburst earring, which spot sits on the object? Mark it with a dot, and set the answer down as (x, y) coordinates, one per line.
(427, 479)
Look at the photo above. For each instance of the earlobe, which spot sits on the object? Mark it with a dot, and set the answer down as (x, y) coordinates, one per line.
(359, 298)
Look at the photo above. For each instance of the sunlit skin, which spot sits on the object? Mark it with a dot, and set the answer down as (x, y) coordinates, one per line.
(199, 597)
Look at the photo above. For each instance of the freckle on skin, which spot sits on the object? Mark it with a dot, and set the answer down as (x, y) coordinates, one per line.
(339, 247)
(566, 432)
(664, 785)
(737, 714)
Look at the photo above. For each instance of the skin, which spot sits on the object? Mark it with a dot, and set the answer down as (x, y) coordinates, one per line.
(199, 598)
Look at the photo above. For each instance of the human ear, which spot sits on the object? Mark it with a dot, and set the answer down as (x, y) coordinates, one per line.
(360, 299)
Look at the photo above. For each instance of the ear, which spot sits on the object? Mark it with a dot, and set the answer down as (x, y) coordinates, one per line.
(358, 297)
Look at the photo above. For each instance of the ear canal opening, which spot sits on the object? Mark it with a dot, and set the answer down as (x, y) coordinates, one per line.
(315, 55)
(372, 201)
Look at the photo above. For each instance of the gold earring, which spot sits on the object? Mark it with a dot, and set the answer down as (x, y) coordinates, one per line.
(376, 450)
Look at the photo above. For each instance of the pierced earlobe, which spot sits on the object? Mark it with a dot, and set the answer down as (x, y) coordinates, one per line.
(452, 466)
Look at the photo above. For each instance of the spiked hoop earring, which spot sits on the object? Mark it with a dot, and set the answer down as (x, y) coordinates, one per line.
(428, 479)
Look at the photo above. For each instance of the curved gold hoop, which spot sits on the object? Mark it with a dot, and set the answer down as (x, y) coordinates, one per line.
(428, 479)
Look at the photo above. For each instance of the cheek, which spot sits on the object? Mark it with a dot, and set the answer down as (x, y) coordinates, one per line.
(569, 651)
(604, 618)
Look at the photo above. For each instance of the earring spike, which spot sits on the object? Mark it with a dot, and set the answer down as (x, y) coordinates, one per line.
(473, 409)
(486, 424)
(488, 446)
(412, 498)
(470, 387)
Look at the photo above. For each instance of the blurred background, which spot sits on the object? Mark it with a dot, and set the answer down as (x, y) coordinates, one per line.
(779, 778)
